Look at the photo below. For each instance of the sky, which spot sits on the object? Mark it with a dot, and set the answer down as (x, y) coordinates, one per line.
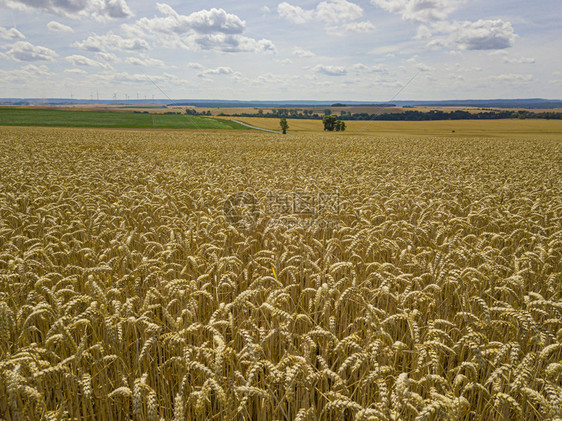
(364, 50)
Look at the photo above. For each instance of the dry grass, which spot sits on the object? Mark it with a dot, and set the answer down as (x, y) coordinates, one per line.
(125, 294)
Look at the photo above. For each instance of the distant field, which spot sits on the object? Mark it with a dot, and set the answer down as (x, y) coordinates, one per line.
(491, 128)
(107, 119)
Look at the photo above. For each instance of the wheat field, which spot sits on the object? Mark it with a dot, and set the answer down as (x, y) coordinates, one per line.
(127, 291)
(508, 128)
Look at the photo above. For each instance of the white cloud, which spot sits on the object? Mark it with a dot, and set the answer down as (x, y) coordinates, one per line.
(108, 57)
(116, 9)
(58, 27)
(11, 33)
(207, 30)
(294, 14)
(202, 22)
(512, 77)
(79, 60)
(74, 8)
(423, 32)
(196, 66)
(480, 35)
(111, 41)
(285, 61)
(420, 10)
(229, 44)
(422, 67)
(217, 72)
(359, 27)
(76, 71)
(330, 70)
(215, 20)
(25, 51)
(40, 70)
(145, 61)
(334, 13)
(362, 68)
(26, 73)
(519, 60)
(301, 52)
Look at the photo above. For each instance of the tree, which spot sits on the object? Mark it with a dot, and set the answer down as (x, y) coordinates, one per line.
(284, 125)
(329, 122)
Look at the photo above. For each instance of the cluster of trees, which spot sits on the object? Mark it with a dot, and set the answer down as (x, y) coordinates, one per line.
(332, 123)
(193, 111)
(412, 115)
(407, 115)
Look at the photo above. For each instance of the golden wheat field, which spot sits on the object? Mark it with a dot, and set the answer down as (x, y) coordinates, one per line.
(510, 128)
(129, 291)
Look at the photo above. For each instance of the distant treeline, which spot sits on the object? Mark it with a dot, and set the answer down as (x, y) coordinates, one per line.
(408, 115)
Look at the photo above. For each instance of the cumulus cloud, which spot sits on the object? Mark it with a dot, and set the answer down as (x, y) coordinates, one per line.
(116, 9)
(480, 35)
(519, 60)
(196, 66)
(421, 67)
(420, 10)
(285, 61)
(217, 71)
(108, 57)
(294, 14)
(40, 70)
(26, 73)
(110, 41)
(301, 52)
(78, 60)
(512, 77)
(58, 27)
(362, 68)
(334, 11)
(423, 32)
(145, 61)
(229, 44)
(212, 29)
(75, 71)
(359, 27)
(330, 70)
(25, 51)
(203, 22)
(74, 8)
(328, 11)
(461, 35)
(11, 33)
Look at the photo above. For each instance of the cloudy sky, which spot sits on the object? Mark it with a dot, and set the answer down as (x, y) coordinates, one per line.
(371, 50)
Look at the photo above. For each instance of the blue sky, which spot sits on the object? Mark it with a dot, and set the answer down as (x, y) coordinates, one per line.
(327, 50)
